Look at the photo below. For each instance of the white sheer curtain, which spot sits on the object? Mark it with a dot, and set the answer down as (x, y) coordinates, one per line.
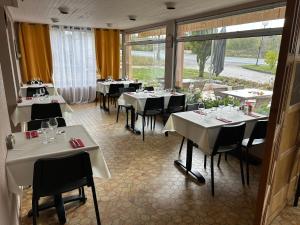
(74, 63)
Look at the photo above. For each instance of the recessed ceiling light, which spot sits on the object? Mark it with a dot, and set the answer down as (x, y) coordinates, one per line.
(132, 17)
(109, 24)
(170, 5)
(63, 9)
(55, 20)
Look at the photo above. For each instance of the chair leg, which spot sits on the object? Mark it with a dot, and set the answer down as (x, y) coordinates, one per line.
(242, 167)
(154, 122)
(212, 176)
(108, 103)
(219, 159)
(151, 122)
(247, 165)
(143, 125)
(83, 195)
(96, 205)
(34, 210)
(205, 159)
(126, 117)
(147, 121)
(118, 111)
(182, 142)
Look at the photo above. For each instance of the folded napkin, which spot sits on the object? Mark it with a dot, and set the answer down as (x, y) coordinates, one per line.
(28, 98)
(224, 120)
(31, 134)
(199, 112)
(54, 101)
(76, 143)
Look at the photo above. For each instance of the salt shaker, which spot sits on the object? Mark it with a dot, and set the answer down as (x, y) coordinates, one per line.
(10, 141)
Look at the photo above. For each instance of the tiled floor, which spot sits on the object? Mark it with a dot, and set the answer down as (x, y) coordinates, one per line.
(289, 216)
(146, 187)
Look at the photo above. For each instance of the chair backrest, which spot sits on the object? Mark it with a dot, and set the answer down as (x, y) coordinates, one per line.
(115, 88)
(230, 135)
(36, 124)
(45, 111)
(176, 103)
(149, 88)
(128, 89)
(57, 175)
(135, 85)
(237, 87)
(259, 131)
(100, 80)
(35, 90)
(195, 106)
(154, 104)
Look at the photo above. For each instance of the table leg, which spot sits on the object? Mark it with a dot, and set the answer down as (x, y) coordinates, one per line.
(104, 97)
(188, 164)
(132, 122)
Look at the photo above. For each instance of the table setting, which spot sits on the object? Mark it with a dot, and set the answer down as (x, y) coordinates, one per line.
(49, 141)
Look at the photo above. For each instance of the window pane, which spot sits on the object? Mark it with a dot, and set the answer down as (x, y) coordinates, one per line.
(146, 63)
(233, 63)
(156, 34)
(271, 18)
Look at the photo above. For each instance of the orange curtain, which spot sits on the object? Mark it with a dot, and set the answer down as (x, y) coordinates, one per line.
(107, 43)
(36, 56)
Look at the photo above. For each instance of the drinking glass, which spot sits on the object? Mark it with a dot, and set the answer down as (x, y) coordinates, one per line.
(45, 128)
(53, 127)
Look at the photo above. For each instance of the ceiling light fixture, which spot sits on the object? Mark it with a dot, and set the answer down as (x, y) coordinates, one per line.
(109, 24)
(132, 17)
(63, 9)
(54, 20)
(170, 5)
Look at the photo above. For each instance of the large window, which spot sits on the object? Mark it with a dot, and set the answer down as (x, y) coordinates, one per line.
(234, 52)
(145, 56)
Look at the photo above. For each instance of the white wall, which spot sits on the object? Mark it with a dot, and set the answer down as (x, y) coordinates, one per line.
(8, 202)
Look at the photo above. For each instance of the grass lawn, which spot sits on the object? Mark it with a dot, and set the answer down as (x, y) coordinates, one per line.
(260, 68)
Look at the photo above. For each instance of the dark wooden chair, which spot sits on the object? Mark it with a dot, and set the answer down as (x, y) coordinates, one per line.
(153, 107)
(229, 139)
(257, 137)
(45, 111)
(114, 93)
(55, 176)
(36, 124)
(127, 107)
(136, 86)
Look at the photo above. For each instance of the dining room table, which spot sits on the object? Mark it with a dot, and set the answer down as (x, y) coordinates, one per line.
(26, 151)
(248, 93)
(22, 112)
(138, 99)
(201, 128)
(103, 88)
(49, 86)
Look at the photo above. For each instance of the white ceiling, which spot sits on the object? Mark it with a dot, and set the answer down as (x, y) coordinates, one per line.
(96, 13)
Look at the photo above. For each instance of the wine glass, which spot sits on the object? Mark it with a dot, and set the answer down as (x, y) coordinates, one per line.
(53, 127)
(44, 129)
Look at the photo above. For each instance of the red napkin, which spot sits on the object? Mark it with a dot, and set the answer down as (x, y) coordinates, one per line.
(28, 98)
(224, 120)
(31, 134)
(77, 143)
(199, 112)
(54, 101)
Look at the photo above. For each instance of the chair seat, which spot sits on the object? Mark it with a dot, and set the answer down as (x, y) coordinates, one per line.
(255, 142)
(227, 148)
(149, 112)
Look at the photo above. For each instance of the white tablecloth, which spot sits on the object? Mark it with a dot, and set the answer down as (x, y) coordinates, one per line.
(20, 160)
(50, 88)
(204, 132)
(103, 87)
(22, 113)
(249, 93)
(138, 100)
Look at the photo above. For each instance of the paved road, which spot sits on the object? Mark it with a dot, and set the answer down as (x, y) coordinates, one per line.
(232, 66)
